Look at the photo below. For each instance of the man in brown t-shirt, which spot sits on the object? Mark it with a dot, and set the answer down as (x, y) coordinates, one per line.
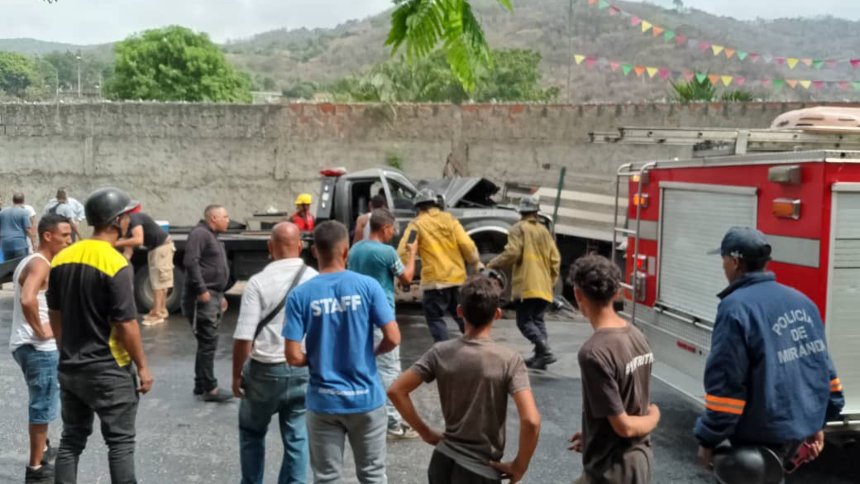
(475, 375)
(615, 362)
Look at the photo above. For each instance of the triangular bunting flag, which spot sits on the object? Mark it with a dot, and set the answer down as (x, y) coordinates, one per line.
(703, 46)
(791, 83)
(831, 63)
(701, 76)
(626, 68)
(818, 85)
(806, 84)
(680, 40)
(614, 66)
(742, 55)
(602, 4)
(589, 61)
(668, 35)
(778, 83)
(657, 31)
(664, 73)
(754, 58)
(726, 80)
(740, 80)
(714, 78)
(613, 10)
(764, 82)
(634, 21)
(639, 70)
(844, 85)
(730, 53)
(781, 60)
(651, 71)
(717, 49)
(688, 76)
(807, 62)
(578, 58)
(646, 26)
(856, 85)
(592, 2)
(767, 59)
(818, 64)
(791, 62)
(855, 63)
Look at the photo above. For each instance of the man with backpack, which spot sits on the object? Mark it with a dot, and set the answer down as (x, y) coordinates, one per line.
(262, 379)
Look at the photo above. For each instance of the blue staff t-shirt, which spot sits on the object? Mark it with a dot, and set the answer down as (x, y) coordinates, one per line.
(335, 313)
(379, 261)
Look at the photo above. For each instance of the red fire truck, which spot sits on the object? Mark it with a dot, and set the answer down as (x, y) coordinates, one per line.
(799, 184)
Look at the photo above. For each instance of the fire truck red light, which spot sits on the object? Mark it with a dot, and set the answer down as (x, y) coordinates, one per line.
(785, 208)
(340, 171)
(686, 346)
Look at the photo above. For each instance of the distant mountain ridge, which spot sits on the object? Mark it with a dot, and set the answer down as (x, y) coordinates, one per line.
(282, 58)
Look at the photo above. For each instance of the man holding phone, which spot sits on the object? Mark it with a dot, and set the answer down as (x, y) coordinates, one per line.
(375, 258)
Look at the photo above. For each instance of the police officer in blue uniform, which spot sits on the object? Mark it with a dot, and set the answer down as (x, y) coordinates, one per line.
(770, 384)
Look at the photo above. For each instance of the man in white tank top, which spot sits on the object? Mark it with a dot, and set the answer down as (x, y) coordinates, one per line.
(33, 345)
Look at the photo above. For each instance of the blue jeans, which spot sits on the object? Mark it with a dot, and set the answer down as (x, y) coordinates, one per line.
(270, 389)
(388, 367)
(40, 371)
(14, 253)
(366, 434)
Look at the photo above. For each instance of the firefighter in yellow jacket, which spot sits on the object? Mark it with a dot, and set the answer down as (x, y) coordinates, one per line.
(533, 256)
(445, 249)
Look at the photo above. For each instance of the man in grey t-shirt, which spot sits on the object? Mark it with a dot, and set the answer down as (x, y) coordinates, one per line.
(469, 450)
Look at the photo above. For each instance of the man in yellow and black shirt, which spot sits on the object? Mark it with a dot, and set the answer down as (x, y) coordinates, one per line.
(94, 319)
(445, 249)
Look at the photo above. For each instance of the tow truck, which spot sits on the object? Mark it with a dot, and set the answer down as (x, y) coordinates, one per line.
(798, 182)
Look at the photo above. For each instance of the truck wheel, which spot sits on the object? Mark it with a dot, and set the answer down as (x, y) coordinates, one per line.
(143, 290)
(506, 294)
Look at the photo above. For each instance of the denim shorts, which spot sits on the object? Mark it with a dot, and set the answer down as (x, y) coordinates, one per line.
(40, 372)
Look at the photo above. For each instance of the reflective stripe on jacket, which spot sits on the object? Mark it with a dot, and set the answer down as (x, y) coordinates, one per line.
(533, 256)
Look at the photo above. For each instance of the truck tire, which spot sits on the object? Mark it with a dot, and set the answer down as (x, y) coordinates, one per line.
(143, 290)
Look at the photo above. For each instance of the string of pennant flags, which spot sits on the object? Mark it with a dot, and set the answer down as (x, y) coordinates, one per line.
(662, 73)
(720, 50)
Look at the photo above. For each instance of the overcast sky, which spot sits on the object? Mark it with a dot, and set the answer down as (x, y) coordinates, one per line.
(97, 21)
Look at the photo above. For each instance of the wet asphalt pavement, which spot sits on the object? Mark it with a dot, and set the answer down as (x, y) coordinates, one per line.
(183, 440)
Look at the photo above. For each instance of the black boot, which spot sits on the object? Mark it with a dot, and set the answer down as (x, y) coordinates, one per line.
(543, 357)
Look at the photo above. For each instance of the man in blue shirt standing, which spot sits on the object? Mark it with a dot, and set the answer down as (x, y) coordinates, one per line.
(335, 314)
(374, 258)
(15, 228)
(770, 384)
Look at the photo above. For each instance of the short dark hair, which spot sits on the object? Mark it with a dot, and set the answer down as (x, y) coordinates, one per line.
(327, 236)
(61, 193)
(211, 208)
(479, 298)
(18, 197)
(597, 277)
(50, 222)
(378, 201)
(379, 218)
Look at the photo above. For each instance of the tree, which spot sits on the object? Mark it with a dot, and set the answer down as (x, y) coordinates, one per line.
(175, 64)
(696, 89)
(679, 5)
(514, 76)
(17, 73)
(421, 25)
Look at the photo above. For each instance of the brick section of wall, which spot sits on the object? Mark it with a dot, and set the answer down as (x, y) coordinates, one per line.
(177, 158)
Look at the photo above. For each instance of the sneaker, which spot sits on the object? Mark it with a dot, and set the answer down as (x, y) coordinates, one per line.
(43, 474)
(540, 362)
(402, 432)
(218, 395)
(50, 454)
(151, 321)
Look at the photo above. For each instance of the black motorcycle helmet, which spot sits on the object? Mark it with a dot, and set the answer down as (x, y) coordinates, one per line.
(747, 465)
(104, 205)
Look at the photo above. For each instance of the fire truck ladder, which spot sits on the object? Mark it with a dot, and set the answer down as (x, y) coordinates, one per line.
(639, 175)
(728, 141)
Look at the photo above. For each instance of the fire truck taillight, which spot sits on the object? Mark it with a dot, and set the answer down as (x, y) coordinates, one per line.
(640, 201)
(786, 208)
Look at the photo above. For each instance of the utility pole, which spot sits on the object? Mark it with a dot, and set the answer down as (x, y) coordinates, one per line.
(78, 57)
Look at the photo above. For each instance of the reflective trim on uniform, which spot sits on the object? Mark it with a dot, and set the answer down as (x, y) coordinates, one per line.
(835, 385)
(725, 404)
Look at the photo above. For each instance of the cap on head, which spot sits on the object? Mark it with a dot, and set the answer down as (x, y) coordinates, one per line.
(530, 204)
(425, 196)
(304, 199)
(104, 205)
(744, 243)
